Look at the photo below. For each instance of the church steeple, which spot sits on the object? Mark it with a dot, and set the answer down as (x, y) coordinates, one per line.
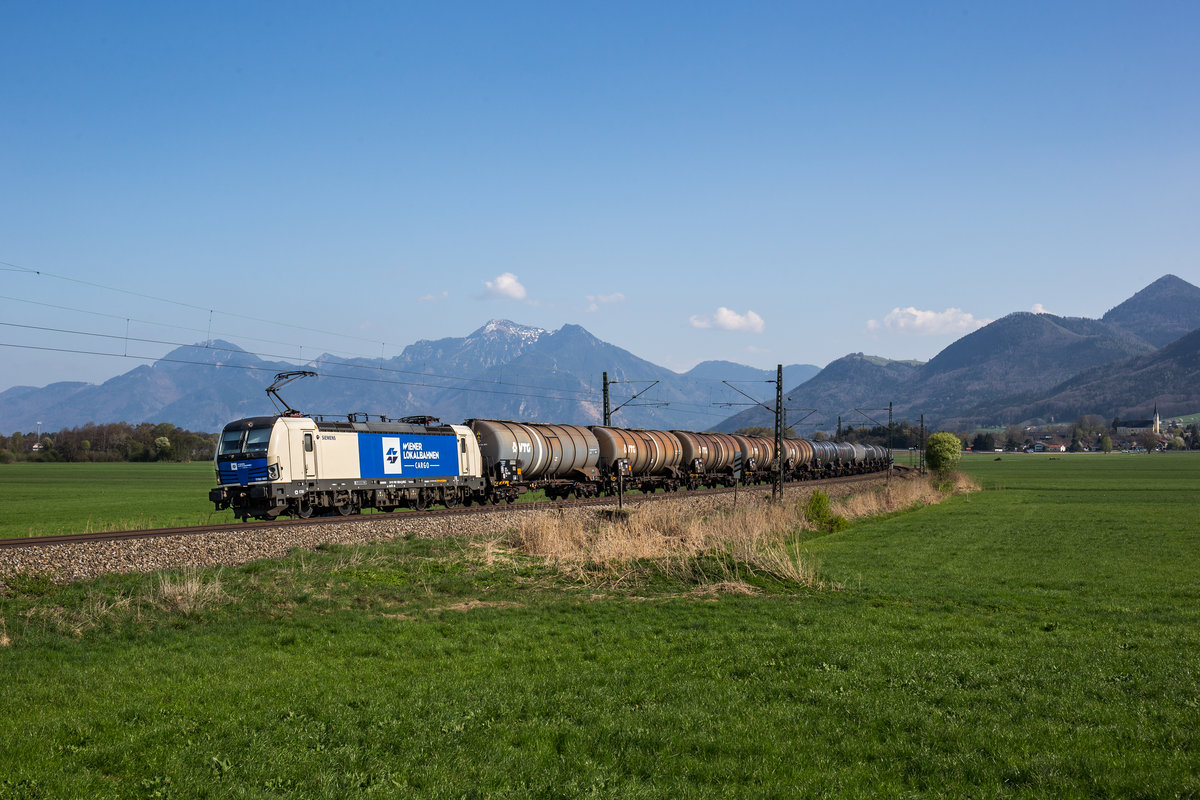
(1157, 422)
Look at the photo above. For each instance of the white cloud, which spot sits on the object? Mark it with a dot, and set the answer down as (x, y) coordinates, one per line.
(728, 320)
(915, 322)
(1038, 308)
(429, 298)
(597, 300)
(506, 285)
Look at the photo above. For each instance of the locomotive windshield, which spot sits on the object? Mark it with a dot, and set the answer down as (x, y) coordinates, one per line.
(231, 442)
(254, 440)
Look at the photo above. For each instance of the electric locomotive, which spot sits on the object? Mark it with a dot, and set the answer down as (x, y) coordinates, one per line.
(297, 466)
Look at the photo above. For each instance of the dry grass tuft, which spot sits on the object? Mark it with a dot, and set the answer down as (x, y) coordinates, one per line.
(964, 483)
(715, 549)
(189, 592)
(93, 614)
(471, 605)
(710, 550)
(902, 495)
(725, 587)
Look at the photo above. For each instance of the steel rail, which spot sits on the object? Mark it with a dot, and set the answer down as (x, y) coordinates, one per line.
(151, 533)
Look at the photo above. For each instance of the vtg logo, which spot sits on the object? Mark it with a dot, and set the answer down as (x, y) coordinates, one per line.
(392, 465)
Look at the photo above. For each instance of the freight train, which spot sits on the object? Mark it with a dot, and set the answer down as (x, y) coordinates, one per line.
(298, 466)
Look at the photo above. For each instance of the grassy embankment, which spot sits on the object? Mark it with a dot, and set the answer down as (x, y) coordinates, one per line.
(1035, 639)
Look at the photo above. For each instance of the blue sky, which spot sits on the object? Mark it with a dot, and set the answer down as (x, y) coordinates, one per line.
(757, 182)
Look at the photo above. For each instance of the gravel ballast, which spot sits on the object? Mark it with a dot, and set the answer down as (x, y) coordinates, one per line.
(234, 546)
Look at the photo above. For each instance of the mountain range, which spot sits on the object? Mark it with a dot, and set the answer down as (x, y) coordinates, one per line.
(502, 370)
(1022, 367)
(1026, 367)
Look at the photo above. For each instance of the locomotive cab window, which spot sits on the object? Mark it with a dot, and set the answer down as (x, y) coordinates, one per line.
(231, 442)
(308, 442)
(257, 440)
(254, 440)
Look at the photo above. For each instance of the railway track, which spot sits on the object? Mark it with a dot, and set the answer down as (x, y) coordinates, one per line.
(364, 519)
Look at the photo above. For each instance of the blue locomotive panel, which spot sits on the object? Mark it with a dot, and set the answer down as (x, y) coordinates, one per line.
(242, 471)
(405, 455)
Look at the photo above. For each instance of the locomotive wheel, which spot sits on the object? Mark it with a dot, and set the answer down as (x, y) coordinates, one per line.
(345, 509)
(422, 501)
(303, 510)
(450, 498)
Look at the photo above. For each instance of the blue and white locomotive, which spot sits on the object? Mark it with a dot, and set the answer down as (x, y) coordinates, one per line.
(297, 466)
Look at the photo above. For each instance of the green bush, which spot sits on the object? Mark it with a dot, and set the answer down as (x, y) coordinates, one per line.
(943, 451)
(818, 511)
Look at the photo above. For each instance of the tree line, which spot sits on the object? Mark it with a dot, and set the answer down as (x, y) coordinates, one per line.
(118, 441)
(903, 435)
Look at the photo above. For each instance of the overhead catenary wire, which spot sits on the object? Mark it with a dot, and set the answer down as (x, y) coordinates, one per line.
(300, 347)
(6, 266)
(124, 318)
(144, 296)
(274, 369)
(127, 338)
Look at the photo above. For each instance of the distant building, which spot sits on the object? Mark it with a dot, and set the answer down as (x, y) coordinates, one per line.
(1136, 426)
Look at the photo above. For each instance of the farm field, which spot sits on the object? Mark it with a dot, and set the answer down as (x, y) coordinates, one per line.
(45, 499)
(1038, 638)
(56, 498)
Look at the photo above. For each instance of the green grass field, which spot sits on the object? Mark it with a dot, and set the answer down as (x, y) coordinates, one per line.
(48, 499)
(1036, 639)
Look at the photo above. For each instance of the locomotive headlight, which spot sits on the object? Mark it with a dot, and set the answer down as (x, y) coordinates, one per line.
(273, 472)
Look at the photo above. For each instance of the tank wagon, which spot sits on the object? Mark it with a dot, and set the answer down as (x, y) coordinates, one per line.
(294, 465)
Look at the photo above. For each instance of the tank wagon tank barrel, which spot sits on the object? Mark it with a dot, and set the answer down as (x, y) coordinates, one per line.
(292, 465)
